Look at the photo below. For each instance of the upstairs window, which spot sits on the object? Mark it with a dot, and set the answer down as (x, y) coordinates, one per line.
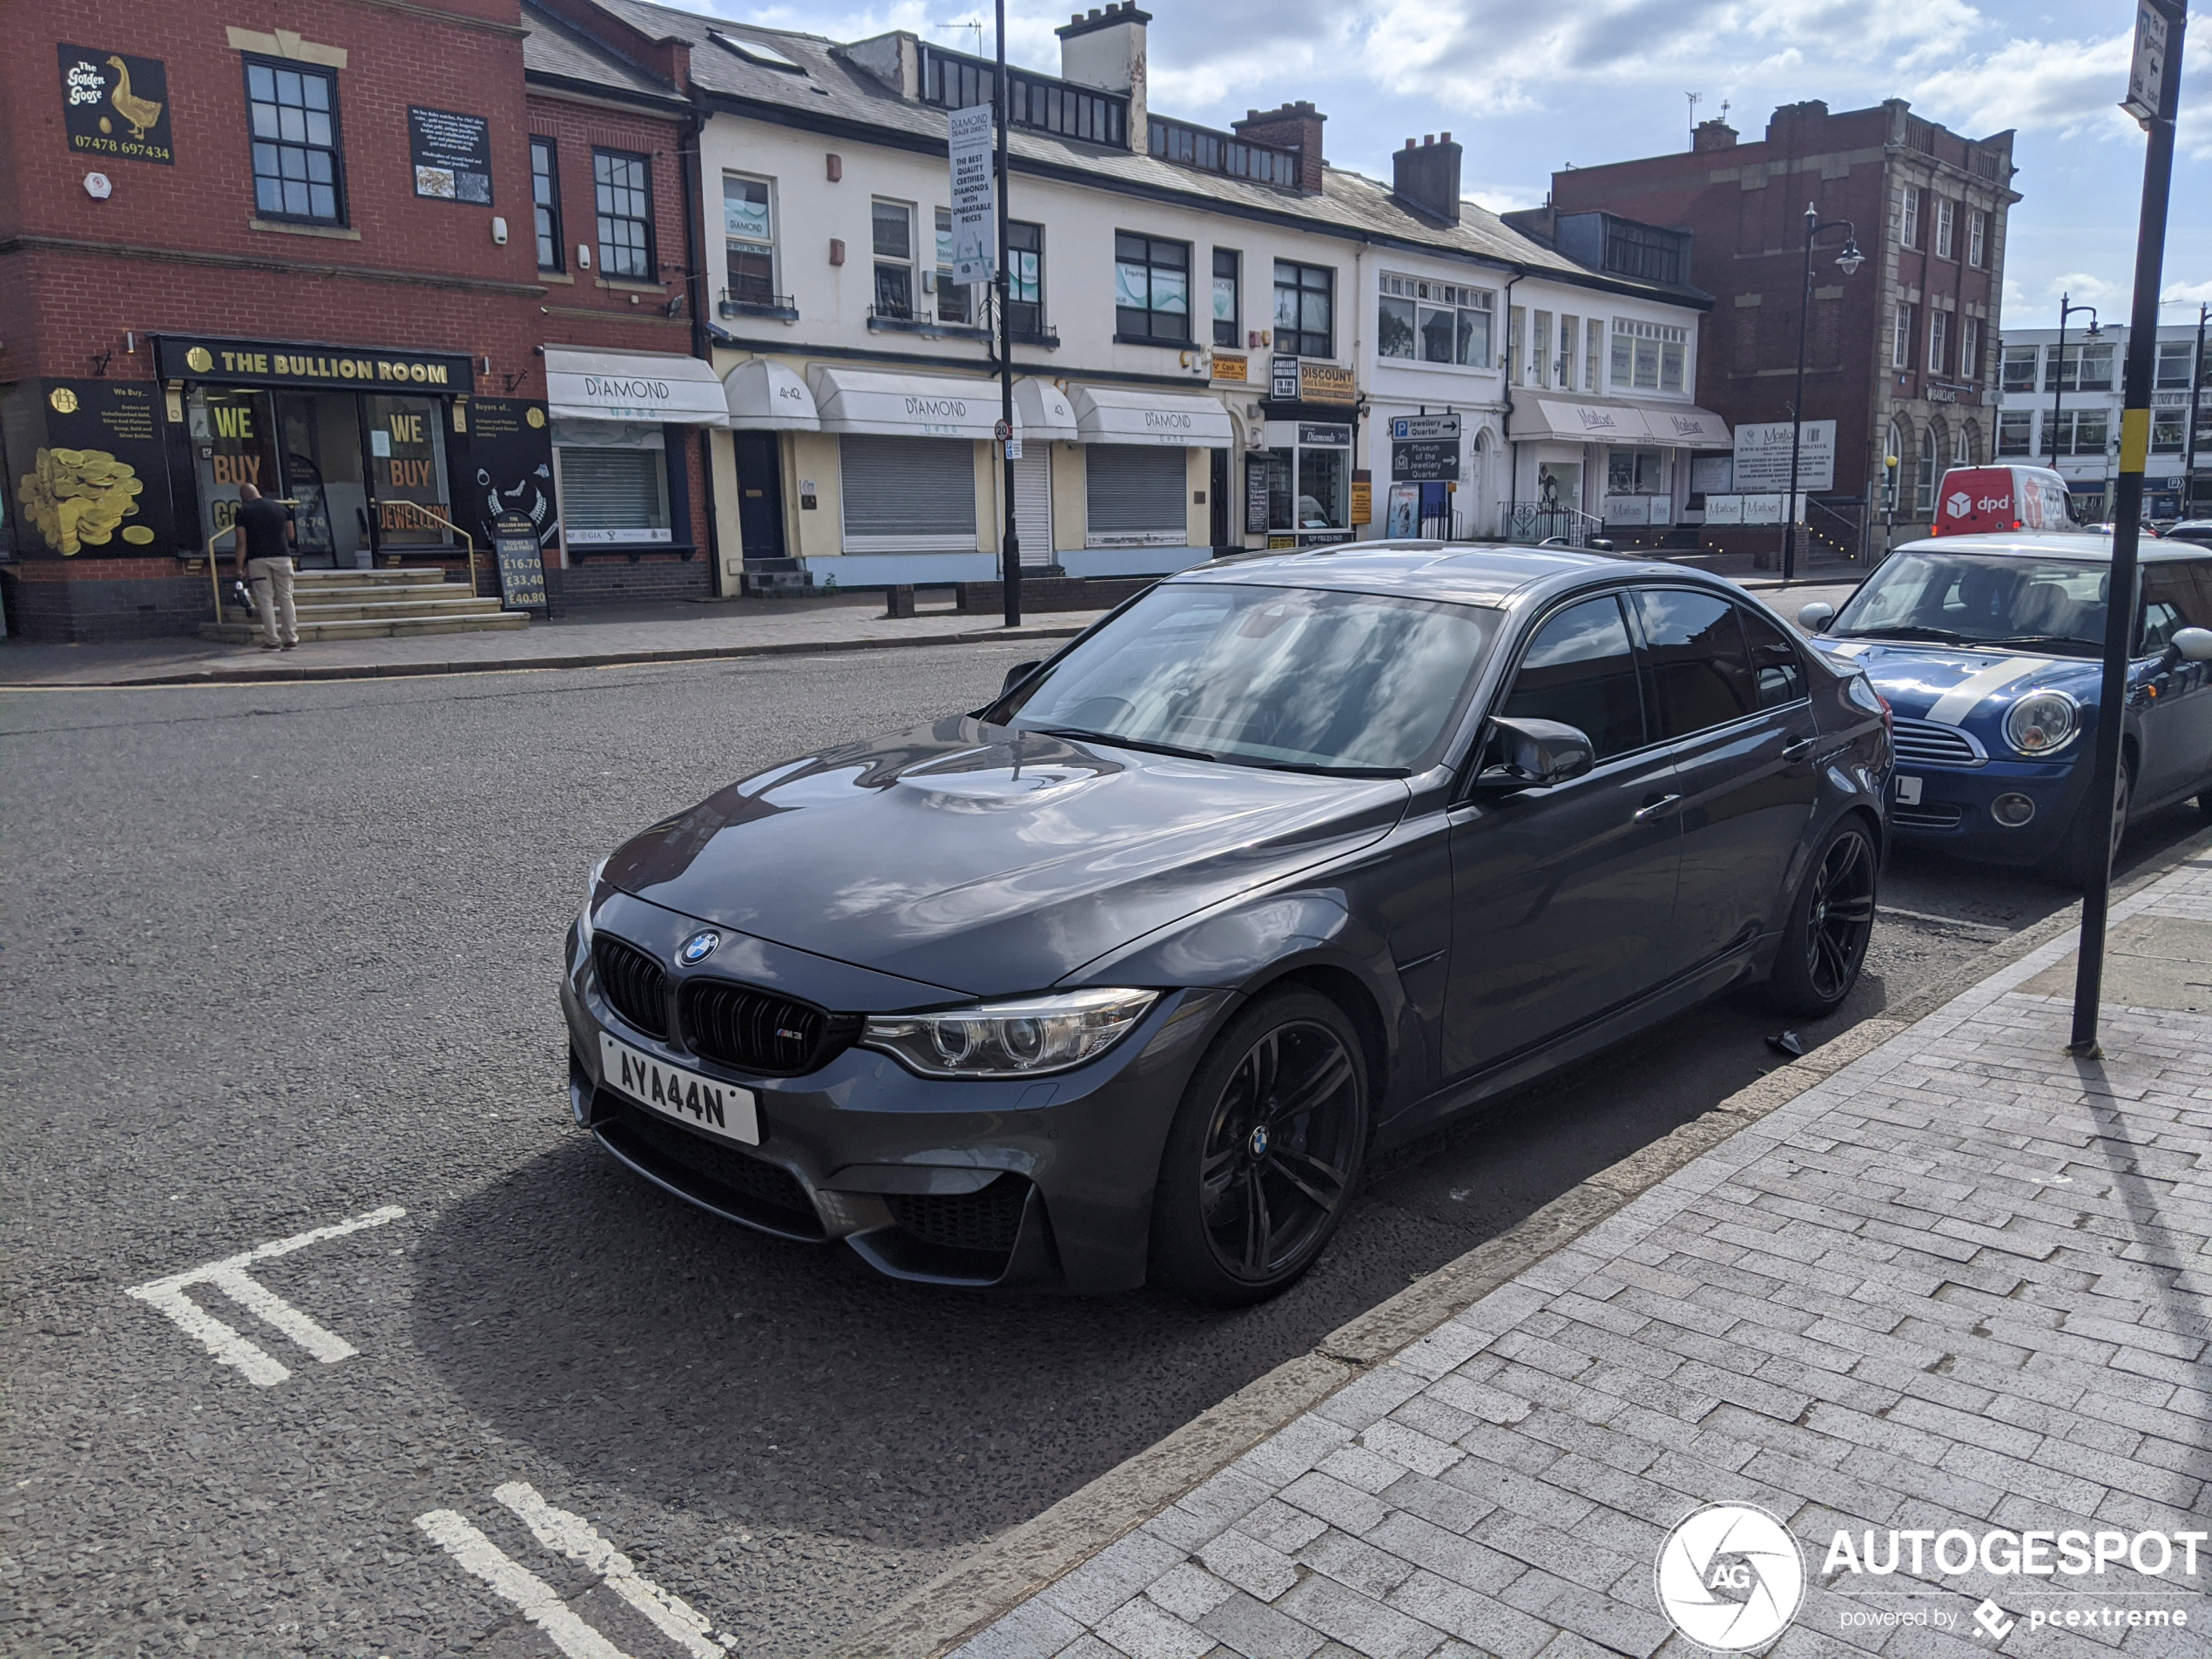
(1228, 307)
(621, 185)
(2172, 373)
(1946, 212)
(1977, 239)
(545, 204)
(1908, 215)
(1650, 356)
(1152, 288)
(2019, 368)
(1304, 309)
(748, 239)
(2087, 367)
(294, 115)
(1435, 322)
(1901, 339)
(2016, 432)
(1939, 340)
(891, 227)
(1970, 349)
(1024, 277)
(955, 301)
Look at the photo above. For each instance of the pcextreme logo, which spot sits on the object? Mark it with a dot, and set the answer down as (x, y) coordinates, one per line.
(1731, 1577)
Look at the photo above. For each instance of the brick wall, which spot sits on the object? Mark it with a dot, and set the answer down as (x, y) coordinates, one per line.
(612, 579)
(94, 607)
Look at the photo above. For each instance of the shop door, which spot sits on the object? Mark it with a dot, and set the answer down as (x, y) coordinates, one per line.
(1217, 501)
(233, 438)
(760, 494)
(1559, 492)
(1033, 507)
(406, 470)
(321, 439)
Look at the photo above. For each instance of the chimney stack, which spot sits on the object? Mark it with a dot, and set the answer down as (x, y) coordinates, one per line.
(1295, 126)
(1715, 134)
(1106, 50)
(1425, 177)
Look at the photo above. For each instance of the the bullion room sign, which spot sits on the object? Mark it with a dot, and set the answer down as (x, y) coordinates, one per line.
(281, 362)
(114, 104)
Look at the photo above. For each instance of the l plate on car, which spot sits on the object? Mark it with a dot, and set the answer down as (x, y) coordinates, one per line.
(1908, 790)
(704, 1102)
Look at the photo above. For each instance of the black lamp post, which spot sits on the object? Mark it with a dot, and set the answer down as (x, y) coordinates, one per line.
(1848, 262)
(2066, 308)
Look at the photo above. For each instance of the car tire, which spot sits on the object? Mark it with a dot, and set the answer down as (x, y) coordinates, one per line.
(1264, 1153)
(2204, 804)
(1830, 918)
(2076, 862)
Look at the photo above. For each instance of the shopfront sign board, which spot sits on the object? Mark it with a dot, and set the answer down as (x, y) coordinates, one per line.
(451, 155)
(1762, 457)
(521, 563)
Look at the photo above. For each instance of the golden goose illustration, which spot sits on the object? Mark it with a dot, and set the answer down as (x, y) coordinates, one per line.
(138, 113)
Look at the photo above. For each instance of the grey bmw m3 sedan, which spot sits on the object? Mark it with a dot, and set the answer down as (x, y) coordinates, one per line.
(1123, 977)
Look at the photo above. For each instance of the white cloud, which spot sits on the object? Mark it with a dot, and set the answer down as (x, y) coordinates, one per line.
(2069, 87)
(2188, 293)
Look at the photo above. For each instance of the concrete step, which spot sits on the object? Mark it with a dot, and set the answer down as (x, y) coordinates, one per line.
(321, 590)
(396, 610)
(370, 578)
(240, 633)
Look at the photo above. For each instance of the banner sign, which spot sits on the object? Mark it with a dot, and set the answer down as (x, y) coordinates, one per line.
(974, 202)
(451, 154)
(115, 105)
(1326, 383)
(1762, 457)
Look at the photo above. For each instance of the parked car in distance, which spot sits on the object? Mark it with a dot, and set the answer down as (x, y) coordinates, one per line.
(1972, 500)
(1123, 976)
(1989, 649)
(2189, 530)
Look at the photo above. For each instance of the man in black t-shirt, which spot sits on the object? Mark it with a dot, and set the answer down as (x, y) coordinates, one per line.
(264, 541)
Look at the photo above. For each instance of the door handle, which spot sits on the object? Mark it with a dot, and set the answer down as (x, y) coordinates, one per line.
(1652, 809)
(1799, 748)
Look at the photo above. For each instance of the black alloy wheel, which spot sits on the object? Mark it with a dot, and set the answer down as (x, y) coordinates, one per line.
(1261, 1162)
(2076, 863)
(1824, 944)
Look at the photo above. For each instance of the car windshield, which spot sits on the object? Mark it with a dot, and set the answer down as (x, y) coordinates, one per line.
(1980, 599)
(1288, 678)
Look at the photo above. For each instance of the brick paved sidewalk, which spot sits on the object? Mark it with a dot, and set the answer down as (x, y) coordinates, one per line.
(1960, 1283)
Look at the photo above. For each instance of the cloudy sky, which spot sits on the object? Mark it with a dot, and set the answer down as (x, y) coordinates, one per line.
(1529, 86)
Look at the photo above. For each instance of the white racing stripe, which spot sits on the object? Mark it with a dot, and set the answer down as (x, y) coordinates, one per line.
(575, 1537)
(1953, 706)
(516, 1583)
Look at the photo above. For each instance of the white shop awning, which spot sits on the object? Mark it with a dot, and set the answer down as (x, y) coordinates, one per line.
(1683, 426)
(1673, 425)
(1042, 413)
(903, 406)
(657, 387)
(1137, 415)
(767, 397)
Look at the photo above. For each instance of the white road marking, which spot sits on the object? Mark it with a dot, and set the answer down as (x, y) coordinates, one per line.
(575, 1537)
(1955, 705)
(228, 1276)
(516, 1583)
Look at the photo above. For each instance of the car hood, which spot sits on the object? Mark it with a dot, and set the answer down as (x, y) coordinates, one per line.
(986, 860)
(1942, 683)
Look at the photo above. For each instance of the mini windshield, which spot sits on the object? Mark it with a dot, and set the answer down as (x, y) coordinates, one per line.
(1977, 599)
(1271, 677)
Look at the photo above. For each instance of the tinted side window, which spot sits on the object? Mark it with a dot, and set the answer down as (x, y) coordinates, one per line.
(2169, 598)
(1777, 673)
(1580, 670)
(1701, 669)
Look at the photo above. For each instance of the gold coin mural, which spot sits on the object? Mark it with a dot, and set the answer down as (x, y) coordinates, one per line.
(78, 498)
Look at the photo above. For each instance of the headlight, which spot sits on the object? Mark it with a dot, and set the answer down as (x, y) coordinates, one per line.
(584, 929)
(1038, 1034)
(2042, 722)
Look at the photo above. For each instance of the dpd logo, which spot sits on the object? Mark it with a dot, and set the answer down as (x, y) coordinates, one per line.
(1731, 1577)
(1958, 504)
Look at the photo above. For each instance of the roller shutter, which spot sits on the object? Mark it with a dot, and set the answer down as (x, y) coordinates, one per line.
(1135, 495)
(908, 495)
(613, 495)
(1033, 509)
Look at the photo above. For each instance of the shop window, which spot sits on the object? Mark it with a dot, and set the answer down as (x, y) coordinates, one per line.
(1135, 495)
(1977, 239)
(297, 166)
(1635, 472)
(2016, 432)
(545, 204)
(1152, 288)
(955, 301)
(1304, 309)
(407, 465)
(1962, 445)
(1433, 322)
(1924, 471)
(2018, 368)
(621, 183)
(1228, 309)
(748, 239)
(613, 481)
(1945, 213)
(1650, 356)
(1025, 280)
(892, 226)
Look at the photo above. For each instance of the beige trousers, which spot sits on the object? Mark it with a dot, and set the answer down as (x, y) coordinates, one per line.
(271, 582)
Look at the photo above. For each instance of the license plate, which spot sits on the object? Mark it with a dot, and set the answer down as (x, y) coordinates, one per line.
(1908, 792)
(705, 1103)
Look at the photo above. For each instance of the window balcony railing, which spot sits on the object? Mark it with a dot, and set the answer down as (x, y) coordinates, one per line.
(757, 302)
(1222, 152)
(1039, 103)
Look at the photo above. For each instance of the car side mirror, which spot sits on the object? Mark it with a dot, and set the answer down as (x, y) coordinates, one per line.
(1018, 673)
(2191, 645)
(1597, 544)
(1815, 616)
(1537, 754)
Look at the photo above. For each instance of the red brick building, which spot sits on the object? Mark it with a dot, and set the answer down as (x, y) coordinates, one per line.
(292, 248)
(1903, 354)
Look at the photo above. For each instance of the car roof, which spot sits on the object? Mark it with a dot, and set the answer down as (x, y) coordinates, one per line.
(2089, 546)
(1465, 573)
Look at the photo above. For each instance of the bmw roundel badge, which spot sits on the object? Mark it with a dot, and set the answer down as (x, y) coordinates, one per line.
(697, 947)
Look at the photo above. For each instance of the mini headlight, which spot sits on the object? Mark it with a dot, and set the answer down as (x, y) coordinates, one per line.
(2042, 722)
(1013, 1039)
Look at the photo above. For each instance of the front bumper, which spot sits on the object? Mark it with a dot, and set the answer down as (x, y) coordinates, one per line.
(1021, 1182)
(1954, 811)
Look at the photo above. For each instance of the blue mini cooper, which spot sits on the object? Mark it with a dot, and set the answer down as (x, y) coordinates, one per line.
(1988, 649)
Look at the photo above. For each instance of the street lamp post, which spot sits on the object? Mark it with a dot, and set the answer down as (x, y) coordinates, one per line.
(1848, 262)
(2196, 399)
(2066, 308)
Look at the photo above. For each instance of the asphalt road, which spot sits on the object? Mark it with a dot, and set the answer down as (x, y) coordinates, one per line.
(278, 958)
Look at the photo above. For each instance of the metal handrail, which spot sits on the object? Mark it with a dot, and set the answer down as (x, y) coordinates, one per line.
(430, 519)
